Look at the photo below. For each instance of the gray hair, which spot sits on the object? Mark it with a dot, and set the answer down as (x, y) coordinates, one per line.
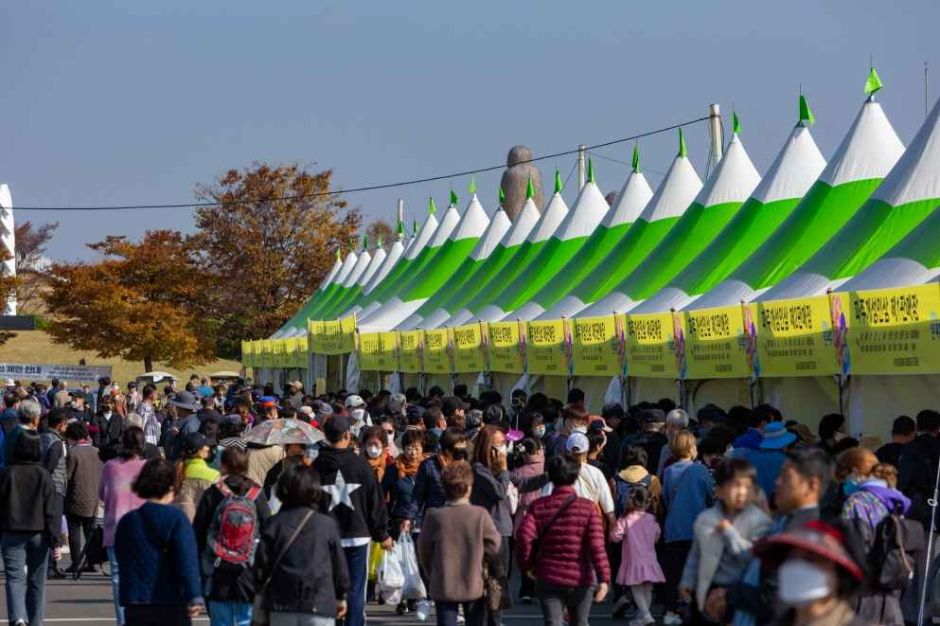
(28, 412)
(133, 419)
(677, 418)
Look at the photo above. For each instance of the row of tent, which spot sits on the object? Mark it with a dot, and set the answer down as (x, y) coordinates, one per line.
(869, 218)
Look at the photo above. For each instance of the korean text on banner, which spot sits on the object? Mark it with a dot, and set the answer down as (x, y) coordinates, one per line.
(715, 344)
(45, 371)
(887, 331)
(505, 347)
(267, 353)
(332, 336)
(410, 351)
(301, 356)
(547, 348)
(596, 348)
(437, 351)
(378, 352)
(793, 337)
(468, 349)
(656, 346)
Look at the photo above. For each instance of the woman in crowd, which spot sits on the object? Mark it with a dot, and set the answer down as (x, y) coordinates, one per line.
(156, 553)
(870, 496)
(375, 449)
(29, 526)
(429, 488)
(300, 569)
(119, 498)
(229, 587)
(455, 541)
(398, 485)
(561, 544)
(194, 473)
(532, 465)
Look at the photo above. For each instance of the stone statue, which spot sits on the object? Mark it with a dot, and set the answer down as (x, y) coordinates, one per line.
(516, 177)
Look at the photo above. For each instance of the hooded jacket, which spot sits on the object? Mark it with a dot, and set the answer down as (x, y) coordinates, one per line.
(354, 497)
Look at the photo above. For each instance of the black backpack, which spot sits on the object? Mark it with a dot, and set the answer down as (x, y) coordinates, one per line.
(894, 554)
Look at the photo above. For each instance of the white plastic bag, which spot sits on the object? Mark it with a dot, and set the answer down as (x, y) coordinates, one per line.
(413, 587)
(390, 578)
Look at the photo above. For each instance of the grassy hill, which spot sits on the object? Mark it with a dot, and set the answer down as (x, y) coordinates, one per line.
(37, 347)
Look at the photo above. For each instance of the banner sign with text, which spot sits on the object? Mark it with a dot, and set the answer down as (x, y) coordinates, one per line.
(887, 331)
(715, 344)
(410, 351)
(468, 349)
(247, 354)
(547, 348)
(596, 346)
(793, 337)
(332, 336)
(378, 352)
(46, 371)
(656, 345)
(437, 351)
(505, 347)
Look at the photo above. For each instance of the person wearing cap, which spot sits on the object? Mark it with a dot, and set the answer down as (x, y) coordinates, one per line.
(591, 483)
(356, 503)
(196, 475)
(769, 456)
(295, 394)
(817, 575)
(185, 405)
(356, 407)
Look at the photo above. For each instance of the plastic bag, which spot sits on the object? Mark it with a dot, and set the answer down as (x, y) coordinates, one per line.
(390, 577)
(375, 560)
(413, 587)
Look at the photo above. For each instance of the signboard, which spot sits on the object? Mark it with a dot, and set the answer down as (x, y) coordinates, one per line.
(547, 348)
(410, 351)
(46, 371)
(332, 336)
(716, 346)
(267, 353)
(887, 331)
(468, 349)
(596, 346)
(378, 352)
(437, 351)
(656, 346)
(247, 355)
(505, 347)
(793, 337)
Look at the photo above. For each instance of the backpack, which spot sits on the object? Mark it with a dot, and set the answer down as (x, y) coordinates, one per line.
(893, 555)
(235, 528)
(623, 492)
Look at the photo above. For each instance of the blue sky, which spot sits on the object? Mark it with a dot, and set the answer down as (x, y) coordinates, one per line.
(126, 103)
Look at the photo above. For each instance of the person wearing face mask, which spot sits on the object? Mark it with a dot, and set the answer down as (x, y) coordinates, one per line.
(356, 408)
(429, 488)
(374, 448)
(575, 420)
(193, 472)
(831, 432)
(817, 576)
(533, 464)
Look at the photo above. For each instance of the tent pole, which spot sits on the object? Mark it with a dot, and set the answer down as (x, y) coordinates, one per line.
(582, 149)
(401, 211)
(714, 121)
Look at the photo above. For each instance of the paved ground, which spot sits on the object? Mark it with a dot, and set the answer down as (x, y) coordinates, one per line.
(87, 602)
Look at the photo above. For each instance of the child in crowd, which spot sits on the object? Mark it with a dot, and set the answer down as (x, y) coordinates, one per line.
(724, 535)
(638, 530)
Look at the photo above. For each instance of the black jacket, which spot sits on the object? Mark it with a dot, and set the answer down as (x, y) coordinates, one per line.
(916, 474)
(359, 507)
(108, 435)
(227, 584)
(651, 441)
(27, 501)
(312, 576)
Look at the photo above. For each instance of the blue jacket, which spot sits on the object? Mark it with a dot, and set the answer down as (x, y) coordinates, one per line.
(400, 493)
(688, 489)
(157, 557)
(767, 464)
(429, 487)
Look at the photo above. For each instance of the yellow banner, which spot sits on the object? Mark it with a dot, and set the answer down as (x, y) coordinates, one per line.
(277, 353)
(505, 347)
(378, 352)
(410, 350)
(247, 355)
(257, 348)
(468, 349)
(548, 346)
(597, 346)
(267, 353)
(794, 337)
(656, 346)
(887, 331)
(332, 336)
(715, 344)
(437, 351)
(301, 353)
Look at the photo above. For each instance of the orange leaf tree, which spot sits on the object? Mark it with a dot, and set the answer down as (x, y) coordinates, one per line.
(268, 242)
(141, 302)
(8, 285)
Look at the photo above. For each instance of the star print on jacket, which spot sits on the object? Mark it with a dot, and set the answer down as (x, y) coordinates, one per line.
(339, 491)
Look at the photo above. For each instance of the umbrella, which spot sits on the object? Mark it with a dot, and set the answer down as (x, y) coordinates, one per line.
(282, 432)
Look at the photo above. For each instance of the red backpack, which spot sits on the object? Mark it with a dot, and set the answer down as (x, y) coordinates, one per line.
(234, 532)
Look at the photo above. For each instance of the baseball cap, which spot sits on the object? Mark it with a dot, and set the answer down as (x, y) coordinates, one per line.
(354, 401)
(577, 443)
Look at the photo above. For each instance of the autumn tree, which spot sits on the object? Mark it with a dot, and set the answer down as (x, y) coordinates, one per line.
(268, 240)
(31, 242)
(379, 231)
(142, 302)
(8, 285)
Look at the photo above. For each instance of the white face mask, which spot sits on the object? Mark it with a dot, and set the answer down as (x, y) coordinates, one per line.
(358, 414)
(539, 431)
(802, 582)
(501, 449)
(580, 429)
(373, 451)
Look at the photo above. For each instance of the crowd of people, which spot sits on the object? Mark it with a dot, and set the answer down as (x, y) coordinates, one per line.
(739, 517)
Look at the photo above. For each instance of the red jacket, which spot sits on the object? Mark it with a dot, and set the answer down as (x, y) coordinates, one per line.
(573, 550)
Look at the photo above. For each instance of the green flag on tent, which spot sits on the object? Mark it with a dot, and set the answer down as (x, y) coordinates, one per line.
(414, 225)
(806, 114)
(432, 209)
(735, 123)
(472, 189)
(529, 189)
(365, 242)
(873, 84)
(339, 255)
(502, 196)
(401, 229)
(590, 172)
(683, 150)
(454, 200)
(558, 184)
(635, 162)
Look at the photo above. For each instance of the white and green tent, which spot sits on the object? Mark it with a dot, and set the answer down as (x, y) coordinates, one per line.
(395, 254)
(333, 290)
(633, 198)
(378, 258)
(725, 191)
(909, 193)
(437, 269)
(298, 319)
(436, 311)
(787, 180)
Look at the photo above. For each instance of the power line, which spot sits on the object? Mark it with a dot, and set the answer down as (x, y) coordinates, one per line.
(404, 183)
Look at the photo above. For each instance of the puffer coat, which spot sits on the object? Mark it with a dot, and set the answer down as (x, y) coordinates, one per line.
(572, 552)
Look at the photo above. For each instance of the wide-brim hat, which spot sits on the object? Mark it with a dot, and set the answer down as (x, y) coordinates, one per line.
(776, 437)
(819, 538)
(185, 400)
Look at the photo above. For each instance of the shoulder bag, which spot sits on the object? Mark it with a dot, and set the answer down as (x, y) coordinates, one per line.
(260, 616)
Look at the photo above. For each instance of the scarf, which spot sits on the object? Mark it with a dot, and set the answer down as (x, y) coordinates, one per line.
(379, 464)
(407, 469)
